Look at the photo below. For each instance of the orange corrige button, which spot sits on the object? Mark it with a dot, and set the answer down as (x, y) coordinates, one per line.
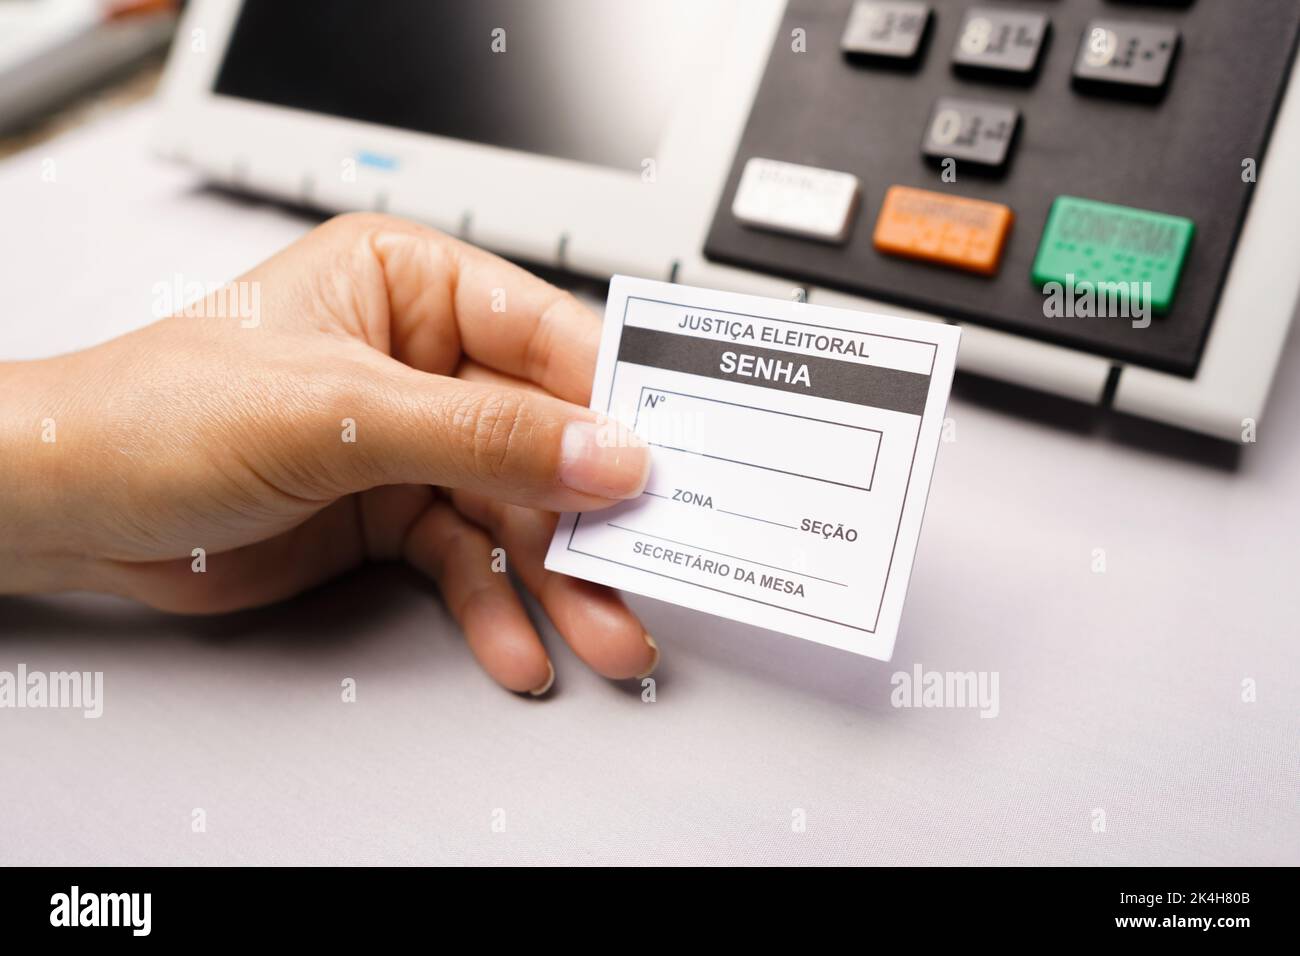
(950, 230)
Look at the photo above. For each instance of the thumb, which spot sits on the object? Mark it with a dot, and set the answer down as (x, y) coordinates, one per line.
(505, 442)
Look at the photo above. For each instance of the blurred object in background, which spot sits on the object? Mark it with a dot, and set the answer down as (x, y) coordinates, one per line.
(54, 50)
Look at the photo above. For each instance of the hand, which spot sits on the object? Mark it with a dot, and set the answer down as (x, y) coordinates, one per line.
(375, 391)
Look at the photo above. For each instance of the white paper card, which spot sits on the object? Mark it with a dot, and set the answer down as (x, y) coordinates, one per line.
(793, 446)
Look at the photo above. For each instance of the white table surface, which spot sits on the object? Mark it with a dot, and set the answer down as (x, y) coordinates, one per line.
(1119, 691)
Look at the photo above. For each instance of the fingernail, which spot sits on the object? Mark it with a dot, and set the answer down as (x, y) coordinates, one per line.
(550, 679)
(605, 460)
(655, 662)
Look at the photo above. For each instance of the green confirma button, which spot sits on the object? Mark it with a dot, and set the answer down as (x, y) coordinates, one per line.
(1097, 245)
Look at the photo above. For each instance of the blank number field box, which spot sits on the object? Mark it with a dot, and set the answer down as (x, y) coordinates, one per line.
(813, 448)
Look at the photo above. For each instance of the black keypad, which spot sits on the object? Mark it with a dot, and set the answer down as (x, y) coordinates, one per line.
(886, 30)
(1125, 57)
(970, 131)
(999, 43)
(1009, 96)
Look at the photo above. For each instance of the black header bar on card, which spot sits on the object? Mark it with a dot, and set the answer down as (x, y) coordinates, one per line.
(853, 382)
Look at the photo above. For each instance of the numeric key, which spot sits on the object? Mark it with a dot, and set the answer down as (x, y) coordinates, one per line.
(1125, 58)
(1000, 44)
(971, 131)
(886, 31)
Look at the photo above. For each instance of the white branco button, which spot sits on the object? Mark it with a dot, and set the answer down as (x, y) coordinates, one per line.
(800, 200)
